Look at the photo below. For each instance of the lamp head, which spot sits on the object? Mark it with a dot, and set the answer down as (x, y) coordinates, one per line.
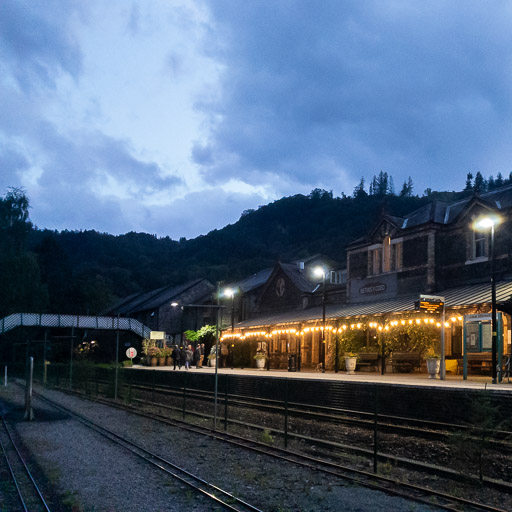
(486, 222)
(319, 272)
(229, 292)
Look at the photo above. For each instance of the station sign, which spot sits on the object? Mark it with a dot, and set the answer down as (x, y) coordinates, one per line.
(429, 304)
(157, 335)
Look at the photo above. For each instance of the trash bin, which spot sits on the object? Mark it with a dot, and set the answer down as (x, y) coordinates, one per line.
(292, 363)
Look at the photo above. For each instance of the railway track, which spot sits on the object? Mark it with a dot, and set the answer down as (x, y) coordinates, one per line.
(22, 491)
(367, 479)
(209, 491)
(430, 430)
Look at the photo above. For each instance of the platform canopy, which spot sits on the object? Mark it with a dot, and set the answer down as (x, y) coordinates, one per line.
(460, 297)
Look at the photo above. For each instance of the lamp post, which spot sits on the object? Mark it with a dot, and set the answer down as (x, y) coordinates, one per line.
(229, 292)
(320, 272)
(484, 224)
(217, 307)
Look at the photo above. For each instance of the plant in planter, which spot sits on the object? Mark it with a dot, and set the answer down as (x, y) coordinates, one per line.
(149, 350)
(260, 359)
(152, 356)
(350, 362)
(433, 363)
(161, 357)
(212, 359)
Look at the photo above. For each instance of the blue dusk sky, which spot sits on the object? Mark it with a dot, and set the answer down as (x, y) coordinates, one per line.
(173, 116)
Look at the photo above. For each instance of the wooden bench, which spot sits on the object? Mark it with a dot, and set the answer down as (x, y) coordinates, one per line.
(478, 362)
(405, 362)
(368, 360)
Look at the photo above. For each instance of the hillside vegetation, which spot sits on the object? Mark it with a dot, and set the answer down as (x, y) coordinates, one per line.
(85, 271)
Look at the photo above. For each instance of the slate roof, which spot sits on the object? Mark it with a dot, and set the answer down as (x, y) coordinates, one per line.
(254, 281)
(152, 299)
(298, 278)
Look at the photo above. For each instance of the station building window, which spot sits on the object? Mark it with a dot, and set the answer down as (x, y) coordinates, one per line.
(386, 257)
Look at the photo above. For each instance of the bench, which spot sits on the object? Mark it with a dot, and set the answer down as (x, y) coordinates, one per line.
(405, 362)
(368, 360)
(478, 362)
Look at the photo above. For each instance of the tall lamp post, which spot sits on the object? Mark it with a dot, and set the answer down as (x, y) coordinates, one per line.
(320, 272)
(484, 224)
(217, 307)
(229, 292)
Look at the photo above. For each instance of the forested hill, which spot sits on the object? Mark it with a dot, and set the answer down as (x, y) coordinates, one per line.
(85, 271)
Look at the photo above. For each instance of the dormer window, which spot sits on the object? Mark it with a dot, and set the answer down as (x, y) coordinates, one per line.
(479, 250)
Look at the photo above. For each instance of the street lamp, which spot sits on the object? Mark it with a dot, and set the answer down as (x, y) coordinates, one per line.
(484, 224)
(229, 292)
(217, 308)
(320, 272)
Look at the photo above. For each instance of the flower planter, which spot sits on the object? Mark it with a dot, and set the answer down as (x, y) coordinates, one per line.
(350, 365)
(213, 362)
(161, 361)
(153, 361)
(260, 363)
(433, 365)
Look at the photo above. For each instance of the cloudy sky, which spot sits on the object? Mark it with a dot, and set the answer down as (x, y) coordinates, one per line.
(173, 116)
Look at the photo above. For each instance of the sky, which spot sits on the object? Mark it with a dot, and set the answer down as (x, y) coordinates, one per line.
(172, 117)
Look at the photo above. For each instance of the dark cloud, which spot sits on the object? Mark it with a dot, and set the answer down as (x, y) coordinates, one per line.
(35, 42)
(414, 89)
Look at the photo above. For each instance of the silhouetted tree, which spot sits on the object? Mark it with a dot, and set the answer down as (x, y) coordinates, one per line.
(407, 188)
(480, 184)
(469, 182)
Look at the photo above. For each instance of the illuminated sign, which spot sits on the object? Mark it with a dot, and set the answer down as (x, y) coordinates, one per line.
(429, 304)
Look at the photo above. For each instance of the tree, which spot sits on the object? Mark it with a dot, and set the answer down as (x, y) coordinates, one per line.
(14, 220)
(469, 184)
(480, 184)
(359, 190)
(499, 180)
(382, 185)
(407, 188)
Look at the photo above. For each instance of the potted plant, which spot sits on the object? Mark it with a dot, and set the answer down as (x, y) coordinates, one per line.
(433, 363)
(152, 356)
(350, 362)
(260, 359)
(212, 358)
(161, 357)
(168, 358)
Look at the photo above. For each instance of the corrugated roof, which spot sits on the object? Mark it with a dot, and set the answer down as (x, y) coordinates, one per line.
(455, 297)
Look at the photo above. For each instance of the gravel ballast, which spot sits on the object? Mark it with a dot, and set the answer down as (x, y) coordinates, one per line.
(85, 472)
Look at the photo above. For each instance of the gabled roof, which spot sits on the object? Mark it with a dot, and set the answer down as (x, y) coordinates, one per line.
(297, 277)
(252, 282)
(155, 298)
(441, 212)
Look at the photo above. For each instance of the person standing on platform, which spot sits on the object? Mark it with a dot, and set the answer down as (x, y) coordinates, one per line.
(176, 356)
(189, 357)
(198, 355)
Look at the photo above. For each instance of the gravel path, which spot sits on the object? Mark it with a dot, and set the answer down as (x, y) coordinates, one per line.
(86, 472)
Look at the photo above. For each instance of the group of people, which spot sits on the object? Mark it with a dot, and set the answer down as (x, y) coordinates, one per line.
(187, 356)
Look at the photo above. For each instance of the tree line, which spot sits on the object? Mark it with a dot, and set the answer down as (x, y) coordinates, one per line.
(84, 272)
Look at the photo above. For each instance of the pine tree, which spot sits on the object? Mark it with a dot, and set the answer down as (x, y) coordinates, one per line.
(480, 183)
(469, 184)
(407, 188)
(359, 191)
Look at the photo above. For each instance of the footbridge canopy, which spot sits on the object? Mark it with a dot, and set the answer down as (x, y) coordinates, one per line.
(78, 321)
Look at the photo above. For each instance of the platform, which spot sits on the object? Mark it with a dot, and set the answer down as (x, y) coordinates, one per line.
(404, 379)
